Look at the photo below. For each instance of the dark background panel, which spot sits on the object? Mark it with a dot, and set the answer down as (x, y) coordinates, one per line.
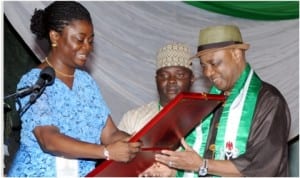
(18, 59)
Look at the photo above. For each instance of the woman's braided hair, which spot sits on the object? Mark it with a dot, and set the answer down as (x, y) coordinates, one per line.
(56, 16)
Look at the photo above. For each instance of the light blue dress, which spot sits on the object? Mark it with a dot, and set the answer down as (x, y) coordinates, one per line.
(79, 112)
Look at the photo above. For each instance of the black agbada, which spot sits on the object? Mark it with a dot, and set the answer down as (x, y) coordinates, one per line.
(267, 145)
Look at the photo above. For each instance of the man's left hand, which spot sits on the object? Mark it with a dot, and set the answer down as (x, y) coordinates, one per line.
(188, 159)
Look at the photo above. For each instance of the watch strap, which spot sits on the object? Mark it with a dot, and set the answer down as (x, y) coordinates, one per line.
(203, 168)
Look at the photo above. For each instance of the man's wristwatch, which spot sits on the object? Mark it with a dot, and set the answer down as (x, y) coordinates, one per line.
(203, 168)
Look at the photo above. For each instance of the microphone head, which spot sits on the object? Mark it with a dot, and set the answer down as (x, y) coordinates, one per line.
(48, 75)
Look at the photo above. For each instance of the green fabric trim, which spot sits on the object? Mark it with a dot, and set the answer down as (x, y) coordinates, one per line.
(247, 113)
(257, 10)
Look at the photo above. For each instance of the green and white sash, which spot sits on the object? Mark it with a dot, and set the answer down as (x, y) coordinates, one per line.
(235, 121)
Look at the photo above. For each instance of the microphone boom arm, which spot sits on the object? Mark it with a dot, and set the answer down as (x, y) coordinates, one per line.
(33, 97)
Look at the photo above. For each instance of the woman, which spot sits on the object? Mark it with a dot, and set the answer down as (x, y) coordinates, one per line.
(69, 126)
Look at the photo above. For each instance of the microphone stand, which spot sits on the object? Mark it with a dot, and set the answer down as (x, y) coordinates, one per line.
(47, 77)
(32, 100)
(20, 92)
(23, 92)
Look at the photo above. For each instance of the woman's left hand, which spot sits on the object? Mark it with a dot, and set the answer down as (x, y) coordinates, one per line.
(158, 170)
(188, 159)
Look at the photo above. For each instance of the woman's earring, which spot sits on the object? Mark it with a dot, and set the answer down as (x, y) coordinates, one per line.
(54, 45)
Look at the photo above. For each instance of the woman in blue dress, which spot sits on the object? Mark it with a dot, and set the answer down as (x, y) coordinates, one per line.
(69, 126)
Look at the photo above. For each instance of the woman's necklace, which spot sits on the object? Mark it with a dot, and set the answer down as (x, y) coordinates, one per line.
(61, 73)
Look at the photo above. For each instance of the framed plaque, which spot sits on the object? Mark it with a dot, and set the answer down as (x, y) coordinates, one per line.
(164, 131)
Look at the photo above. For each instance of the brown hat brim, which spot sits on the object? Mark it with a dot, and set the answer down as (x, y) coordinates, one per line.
(239, 46)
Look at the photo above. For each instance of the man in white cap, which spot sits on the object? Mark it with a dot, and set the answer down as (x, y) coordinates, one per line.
(173, 75)
(248, 135)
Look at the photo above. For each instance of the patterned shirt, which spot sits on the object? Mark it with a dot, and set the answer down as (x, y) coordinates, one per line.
(79, 112)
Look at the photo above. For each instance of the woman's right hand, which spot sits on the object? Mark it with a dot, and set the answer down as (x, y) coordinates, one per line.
(123, 151)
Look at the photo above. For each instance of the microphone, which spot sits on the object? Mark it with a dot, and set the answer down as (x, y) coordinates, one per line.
(46, 78)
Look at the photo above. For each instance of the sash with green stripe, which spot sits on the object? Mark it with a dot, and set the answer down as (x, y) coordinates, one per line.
(235, 121)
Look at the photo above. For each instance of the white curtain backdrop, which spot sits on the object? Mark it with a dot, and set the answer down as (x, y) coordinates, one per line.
(128, 35)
